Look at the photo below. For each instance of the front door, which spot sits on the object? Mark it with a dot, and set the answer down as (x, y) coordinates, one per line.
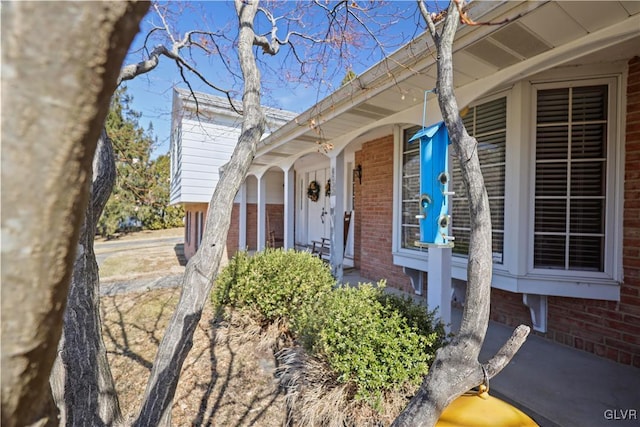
(318, 221)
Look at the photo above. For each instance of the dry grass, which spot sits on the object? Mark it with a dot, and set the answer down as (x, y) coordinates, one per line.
(146, 262)
(227, 379)
(231, 376)
(142, 234)
(315, 398)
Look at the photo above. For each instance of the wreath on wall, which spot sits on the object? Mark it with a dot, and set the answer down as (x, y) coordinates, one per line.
(313, 191)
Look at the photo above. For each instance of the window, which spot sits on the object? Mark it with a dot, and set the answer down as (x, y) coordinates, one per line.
(188, 229)
(410, 226)
(570, 178)
(199, 228)
(488, 124)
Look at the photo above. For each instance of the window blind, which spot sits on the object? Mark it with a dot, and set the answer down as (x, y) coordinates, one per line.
(570, 180)
(488, 124)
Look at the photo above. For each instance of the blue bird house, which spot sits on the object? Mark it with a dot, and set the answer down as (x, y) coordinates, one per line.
(434, 184)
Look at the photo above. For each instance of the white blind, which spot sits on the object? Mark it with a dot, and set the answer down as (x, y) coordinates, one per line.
(570, 197)
(410, 225)
(488, 124)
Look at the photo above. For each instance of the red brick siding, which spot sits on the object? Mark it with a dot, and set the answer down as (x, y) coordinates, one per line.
(606, 328)
(273, 211)
(374, 214)
(275, 223)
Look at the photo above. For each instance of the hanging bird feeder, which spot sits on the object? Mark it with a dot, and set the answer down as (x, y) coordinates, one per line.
(434, 182)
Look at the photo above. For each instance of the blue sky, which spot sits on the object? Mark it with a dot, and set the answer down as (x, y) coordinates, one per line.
(152, 92)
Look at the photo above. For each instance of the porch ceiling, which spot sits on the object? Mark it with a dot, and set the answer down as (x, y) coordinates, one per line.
(398, 84)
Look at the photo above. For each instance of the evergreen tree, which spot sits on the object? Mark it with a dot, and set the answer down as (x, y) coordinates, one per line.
(140, 197)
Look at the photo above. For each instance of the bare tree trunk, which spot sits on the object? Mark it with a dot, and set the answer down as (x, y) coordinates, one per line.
(60, 62)
(81, 380)
(456, 368)
(202, 269)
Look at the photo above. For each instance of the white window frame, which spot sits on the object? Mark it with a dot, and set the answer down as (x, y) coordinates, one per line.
(418, 258)
(612, 196)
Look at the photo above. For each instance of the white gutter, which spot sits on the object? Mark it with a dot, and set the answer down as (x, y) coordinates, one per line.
(385, 76)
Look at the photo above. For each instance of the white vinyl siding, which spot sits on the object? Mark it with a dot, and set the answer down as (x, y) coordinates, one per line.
(571, 178)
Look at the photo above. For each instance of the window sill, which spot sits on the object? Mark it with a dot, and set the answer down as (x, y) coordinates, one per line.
(537, 284)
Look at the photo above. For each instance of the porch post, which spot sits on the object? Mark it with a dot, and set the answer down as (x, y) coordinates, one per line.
(262, 212)
(439, 283)
(289, 207)
(336, 210)
(242, 217)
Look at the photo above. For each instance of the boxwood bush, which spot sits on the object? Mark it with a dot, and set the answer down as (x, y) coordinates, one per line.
(376, 342)
(273, 283)
(372, 340)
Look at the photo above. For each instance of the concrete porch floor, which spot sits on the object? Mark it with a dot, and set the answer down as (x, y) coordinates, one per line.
(555, 384)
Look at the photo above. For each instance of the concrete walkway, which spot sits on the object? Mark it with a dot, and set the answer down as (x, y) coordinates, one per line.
(557, 385)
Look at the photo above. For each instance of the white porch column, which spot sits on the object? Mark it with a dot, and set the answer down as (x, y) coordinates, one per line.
(439, 284)
(289, 208)
(242, 217)
(262, 212)
(336, 211)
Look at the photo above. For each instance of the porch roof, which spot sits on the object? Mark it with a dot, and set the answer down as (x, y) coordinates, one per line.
(539, 36)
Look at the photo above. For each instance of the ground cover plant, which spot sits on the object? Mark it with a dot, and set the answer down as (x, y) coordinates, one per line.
(358, 351)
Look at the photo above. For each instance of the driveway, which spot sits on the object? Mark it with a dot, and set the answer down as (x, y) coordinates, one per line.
(139, 262)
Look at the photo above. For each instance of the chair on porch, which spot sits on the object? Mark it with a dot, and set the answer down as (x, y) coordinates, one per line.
(275, 225)
(322, 248)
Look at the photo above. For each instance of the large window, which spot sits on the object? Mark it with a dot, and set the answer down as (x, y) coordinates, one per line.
(410, 189)
(488, 124)
(570, 178)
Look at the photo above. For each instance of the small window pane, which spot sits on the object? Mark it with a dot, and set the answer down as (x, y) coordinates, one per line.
(587, 141)
(552, 143)
(587, 179)
(551, 179)
(553, 106)
(551, 215)
(586, 253)
(589, 103)
(587, 216)
(548, 251)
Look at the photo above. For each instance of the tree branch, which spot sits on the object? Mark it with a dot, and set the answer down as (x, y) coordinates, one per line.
(509, 349)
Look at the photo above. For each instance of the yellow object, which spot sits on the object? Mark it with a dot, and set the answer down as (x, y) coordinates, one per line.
(478, 409)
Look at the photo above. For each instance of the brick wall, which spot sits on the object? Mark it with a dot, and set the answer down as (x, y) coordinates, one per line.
(374, 214)
(606, 328)
(274, 211)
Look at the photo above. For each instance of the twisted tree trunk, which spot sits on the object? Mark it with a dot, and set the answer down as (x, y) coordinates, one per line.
(456, 368)
(81, 380)
(203, 266)
(60, 62)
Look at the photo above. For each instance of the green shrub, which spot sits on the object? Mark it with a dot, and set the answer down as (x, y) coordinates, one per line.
(273, 283)
(366, 339)
(418, 317)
